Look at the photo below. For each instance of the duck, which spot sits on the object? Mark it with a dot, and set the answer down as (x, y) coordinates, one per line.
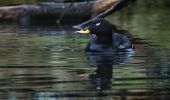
(105, 37)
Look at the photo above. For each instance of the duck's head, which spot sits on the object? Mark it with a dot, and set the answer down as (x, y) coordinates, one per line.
(101, 28)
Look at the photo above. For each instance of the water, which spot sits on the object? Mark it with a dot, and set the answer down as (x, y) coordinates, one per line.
(48, 63)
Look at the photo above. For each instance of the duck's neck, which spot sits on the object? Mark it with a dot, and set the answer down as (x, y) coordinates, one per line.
(104, 39)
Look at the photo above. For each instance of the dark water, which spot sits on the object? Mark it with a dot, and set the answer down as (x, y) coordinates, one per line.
(48, 63)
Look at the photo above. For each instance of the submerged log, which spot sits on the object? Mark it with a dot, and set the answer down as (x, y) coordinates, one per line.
(75, 10)
(56, 11)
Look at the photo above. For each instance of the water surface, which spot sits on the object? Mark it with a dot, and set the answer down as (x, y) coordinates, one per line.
(48, 63)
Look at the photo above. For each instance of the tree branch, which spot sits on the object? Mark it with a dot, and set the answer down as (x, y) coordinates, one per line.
(120, 4)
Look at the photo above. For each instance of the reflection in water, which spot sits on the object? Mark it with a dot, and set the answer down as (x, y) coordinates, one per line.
(104, 63)
(45, 62)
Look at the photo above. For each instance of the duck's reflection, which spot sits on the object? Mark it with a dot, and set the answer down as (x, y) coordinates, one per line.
(104, 62)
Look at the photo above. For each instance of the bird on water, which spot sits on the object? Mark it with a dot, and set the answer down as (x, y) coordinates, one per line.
(105, 37)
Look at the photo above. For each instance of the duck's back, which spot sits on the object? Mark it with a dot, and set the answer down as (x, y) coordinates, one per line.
(122, 42)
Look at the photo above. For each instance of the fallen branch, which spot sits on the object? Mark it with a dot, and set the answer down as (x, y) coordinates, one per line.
(54, 12)
(118, 5)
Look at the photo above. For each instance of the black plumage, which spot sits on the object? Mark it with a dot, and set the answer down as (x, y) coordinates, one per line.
(105, 37)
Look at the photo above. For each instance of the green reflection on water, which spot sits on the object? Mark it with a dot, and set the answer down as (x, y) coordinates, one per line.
(64, 52)
(35, 50)
(146, 19)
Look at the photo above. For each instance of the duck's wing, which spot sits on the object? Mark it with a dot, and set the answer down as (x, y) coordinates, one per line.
(121, 41)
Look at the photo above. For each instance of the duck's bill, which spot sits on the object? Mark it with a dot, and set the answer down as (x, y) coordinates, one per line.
(84, 31)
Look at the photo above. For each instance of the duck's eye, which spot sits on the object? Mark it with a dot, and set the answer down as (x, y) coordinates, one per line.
(97, 24)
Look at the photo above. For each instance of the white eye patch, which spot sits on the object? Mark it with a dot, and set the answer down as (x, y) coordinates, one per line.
(97, 24)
